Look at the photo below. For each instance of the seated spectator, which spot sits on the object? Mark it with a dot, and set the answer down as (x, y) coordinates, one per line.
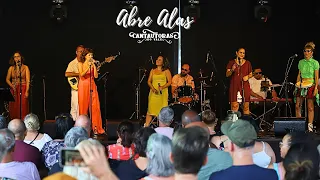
(302, 162)
(24, 152)
(136, 169)
(124, 149)
(158, 152)
(209, 118)
(85, 122)
(3, 122)
(240, 140)
(217, 160)
(189, 152)
(189, 116)
(13, 169)
(51, 149)
(33, 136)
(263, 154)
(165, 118)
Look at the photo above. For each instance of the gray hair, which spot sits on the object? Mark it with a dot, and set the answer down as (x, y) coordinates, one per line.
(9, 140)
(3, 122)
(3, 147)
(158, 151)
(166, 115)
(74, 136)
(32, 122)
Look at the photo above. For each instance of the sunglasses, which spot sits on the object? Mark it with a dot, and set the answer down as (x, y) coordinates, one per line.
(258, 73)
(307, 51)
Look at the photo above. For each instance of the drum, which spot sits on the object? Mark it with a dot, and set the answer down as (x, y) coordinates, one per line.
(185, 94)
(178, 109)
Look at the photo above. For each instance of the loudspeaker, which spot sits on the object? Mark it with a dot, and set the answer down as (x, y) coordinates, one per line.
(284, 125)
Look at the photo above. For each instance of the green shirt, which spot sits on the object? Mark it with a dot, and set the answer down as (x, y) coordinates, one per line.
(307, 67)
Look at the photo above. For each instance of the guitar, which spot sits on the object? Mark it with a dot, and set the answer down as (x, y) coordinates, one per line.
(74, 81)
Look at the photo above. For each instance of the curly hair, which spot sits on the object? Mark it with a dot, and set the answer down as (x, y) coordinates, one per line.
(165, 65)
(12, 62)
(310, 45)
(84, 53)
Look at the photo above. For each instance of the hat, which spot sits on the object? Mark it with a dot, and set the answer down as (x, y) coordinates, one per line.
(240, 132)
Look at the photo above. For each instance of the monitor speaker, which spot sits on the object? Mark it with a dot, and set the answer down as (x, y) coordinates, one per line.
(284, 125)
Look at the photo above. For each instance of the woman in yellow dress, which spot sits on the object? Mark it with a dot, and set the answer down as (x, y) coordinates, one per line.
(159, 80)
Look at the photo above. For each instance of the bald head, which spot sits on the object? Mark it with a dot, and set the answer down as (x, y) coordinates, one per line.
(18, 128)
(199, 124)
(189, 116)
(84, 121)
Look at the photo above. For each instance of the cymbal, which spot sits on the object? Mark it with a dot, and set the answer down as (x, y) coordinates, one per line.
(276, 85)
(204, 77)
(204, 86)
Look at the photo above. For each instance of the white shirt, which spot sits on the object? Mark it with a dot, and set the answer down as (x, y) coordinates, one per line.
(40, 143)
(255, 86)
(73, 66)
(19, 170)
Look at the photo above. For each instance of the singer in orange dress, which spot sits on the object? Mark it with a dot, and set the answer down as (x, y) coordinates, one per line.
(13, 80)
(87, 72)
(239, 69)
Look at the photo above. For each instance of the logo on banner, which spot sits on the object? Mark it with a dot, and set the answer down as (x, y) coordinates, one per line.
(165, 18)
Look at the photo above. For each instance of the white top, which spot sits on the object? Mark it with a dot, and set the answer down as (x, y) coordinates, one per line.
(255, 86)
(73, 66)
(166, 131)
(19, 170)
(40, 143)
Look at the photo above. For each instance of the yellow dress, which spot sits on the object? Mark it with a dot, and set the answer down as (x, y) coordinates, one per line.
(157, 101)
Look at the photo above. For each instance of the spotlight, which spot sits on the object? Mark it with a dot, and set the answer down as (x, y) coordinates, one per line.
(58, 10)
(192, 9)
(262, 11)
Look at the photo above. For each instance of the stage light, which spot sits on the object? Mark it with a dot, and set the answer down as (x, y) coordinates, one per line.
(262, 11)
(192, 9)
(58, 10)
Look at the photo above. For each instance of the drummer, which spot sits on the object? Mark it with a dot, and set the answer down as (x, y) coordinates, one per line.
(258, 91)
(182, 79)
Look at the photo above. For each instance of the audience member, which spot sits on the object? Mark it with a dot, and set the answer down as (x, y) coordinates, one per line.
(263, 154)
(33, 136)
(85, 122)
(165, 118)
(158, 151)
(123, 149)
(24, 152)
(189, 152)
(209, 118)
(13, 169)
(136, 169)
(50, 150)
(3, 122)
(240, 140)
(189, 116)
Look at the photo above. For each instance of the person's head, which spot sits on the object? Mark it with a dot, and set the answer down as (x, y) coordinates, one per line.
(32, 122)
(125, 133)
(64, 123)
(86, 55)
(74, 136)
(18, 128)
(293, 138)
(257, 73)
(3, 146)
(189, 150)
(301, 162)
(158, 151)
(141, 139)
(209, 118)
(308, 50)
(79, 51)
(163, 62)
(15, 58)
(9, 140)
(240, 134)
(85, 122)
(241, 53)
(166, 115)
(3, 122)
(189, 116)
(185, 69)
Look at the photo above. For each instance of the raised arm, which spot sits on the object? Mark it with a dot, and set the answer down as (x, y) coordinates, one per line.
(82, 72)
(8, 78)
(95, 71)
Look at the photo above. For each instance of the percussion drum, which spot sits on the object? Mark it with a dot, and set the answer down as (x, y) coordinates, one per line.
(185, 94)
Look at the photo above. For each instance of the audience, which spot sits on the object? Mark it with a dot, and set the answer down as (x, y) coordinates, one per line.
(33, 136)
(124, 149)
(13, 169)
(263, 154)
(302, 162)
(240, 140)
(159, 165)
(24, 152)
(85, 122)
(189, 152)
(136, 169)
(3, 122)
(50, 150)
(165, 118)
(189, 116)
(209, 118)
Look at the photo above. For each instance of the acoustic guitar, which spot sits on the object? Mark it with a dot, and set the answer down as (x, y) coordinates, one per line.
(74, 81)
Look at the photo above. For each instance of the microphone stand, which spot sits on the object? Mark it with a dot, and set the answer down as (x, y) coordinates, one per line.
(90, 99)
(20, 87)
(242, 86)
(44, 97)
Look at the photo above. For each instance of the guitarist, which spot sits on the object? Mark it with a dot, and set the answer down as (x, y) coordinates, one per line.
(73, 71)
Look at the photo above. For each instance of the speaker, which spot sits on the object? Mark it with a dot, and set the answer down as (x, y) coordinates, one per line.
(284, 125)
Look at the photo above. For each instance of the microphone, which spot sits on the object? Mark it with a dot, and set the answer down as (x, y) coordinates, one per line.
(159, 90)
(294, 56)
(211, 76)
(151, 59)
(207, 57)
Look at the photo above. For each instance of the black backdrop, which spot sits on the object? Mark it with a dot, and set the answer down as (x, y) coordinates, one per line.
(224, 26)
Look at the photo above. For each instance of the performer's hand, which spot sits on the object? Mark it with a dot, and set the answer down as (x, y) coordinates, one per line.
(245, 78)
(276, 98)
(161, 88)
(260, 97)
(26, 95)
(234, 67)
(154, 91)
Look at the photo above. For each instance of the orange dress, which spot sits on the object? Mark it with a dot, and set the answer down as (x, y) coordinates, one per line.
(14, 107)
(84, 101)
